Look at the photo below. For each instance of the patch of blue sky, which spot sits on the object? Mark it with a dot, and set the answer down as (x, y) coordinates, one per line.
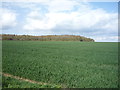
(111, 7)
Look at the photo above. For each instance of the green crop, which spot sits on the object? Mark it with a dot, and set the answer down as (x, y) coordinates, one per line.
(67, 64)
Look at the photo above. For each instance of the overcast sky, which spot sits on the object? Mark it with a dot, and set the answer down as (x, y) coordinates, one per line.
(97, 20)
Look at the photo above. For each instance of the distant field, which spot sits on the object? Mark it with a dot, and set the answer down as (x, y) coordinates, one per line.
(66, 64)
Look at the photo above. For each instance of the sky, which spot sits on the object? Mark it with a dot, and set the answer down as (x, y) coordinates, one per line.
(96, 20)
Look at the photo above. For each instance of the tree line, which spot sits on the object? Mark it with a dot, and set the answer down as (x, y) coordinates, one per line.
(46, 38)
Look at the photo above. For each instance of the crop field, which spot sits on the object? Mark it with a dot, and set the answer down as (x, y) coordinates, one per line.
(67, 64)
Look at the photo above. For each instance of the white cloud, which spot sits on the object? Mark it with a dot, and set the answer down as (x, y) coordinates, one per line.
(34, 24)
(7, 18)
(90, 20)
(61, 5)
